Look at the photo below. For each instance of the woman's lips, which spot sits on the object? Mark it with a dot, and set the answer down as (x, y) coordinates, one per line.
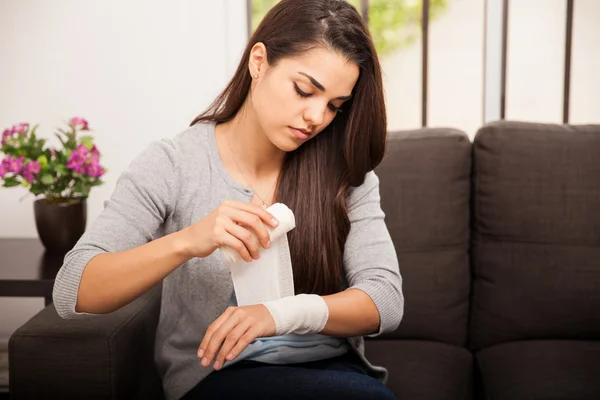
(300, 133)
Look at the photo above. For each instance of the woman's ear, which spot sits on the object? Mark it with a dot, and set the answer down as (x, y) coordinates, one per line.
(258, 60)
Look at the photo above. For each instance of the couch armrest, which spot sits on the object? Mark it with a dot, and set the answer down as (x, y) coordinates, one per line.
(107, 356)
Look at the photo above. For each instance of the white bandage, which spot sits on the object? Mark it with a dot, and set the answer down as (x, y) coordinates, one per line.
(271, 276)
(301, 314)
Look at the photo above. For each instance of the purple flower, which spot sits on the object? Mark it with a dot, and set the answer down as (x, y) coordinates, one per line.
(95, 170)
(5, 136)
(84, 161)
(21, 128)
(95, 152)
(4, 167)
(30, 170)
(78, 160)
(11, 164)
(82, 150)
(15, 164)
(79, 122)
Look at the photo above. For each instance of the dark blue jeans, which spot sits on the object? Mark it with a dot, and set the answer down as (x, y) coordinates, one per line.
(336, 378)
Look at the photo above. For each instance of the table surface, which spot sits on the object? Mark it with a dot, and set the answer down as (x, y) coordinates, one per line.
(27, 260)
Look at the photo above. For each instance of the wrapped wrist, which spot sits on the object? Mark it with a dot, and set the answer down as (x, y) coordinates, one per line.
(301, 314)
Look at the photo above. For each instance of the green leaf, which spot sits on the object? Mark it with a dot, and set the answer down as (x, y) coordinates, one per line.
(11, 150)
(43, 160)
(40, 144)
(61, 140)
(60, 169)
(79, 187)
(36, 189)
(24, 183)
(87, 141)
(47, 179)
(61, 157)
(11, 182)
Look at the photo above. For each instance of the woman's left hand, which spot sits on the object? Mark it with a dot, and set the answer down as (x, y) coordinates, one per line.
(235, 329)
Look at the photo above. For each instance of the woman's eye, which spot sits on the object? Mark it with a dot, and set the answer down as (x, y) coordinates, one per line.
(300, 92)
(334, 108)
(305, 95)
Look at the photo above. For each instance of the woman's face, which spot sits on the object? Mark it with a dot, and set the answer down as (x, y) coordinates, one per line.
(298, 97)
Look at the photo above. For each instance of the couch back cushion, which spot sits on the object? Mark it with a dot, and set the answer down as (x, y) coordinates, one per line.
(536, 233)
(425, 186)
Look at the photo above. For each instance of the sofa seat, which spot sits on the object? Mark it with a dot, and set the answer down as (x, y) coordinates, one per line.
(541, 369)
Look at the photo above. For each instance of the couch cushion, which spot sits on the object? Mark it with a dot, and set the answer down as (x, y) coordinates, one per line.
(423, 369)
(541, 370)
(536, 236)
(425, 189)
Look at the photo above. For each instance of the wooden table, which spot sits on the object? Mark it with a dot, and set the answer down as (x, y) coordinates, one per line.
(26, 269)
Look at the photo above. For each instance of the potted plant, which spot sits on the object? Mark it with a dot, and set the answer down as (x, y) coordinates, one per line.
(60, 178)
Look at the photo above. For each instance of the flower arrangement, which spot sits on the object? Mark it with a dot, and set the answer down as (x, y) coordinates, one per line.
(59, 175)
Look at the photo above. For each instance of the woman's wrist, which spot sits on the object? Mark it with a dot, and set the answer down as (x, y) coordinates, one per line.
(181, 244)
(301, 314)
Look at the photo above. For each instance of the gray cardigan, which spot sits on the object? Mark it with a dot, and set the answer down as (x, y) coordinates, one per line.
(175, 183)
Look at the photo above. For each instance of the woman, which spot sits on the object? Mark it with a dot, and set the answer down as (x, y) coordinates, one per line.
(303, 123)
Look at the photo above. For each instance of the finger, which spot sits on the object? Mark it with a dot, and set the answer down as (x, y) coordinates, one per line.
(242, 343)
(247, 237)
(218, 337)
(251, 208)
(231, 341)
(231, 241)
(212, 329)
(254, 224)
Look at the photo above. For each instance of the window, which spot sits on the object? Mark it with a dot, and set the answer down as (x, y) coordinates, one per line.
(585, 88)
(535, 67)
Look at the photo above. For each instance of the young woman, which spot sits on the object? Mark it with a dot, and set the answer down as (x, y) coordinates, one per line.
(302, 122)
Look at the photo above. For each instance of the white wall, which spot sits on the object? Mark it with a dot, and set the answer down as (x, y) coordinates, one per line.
(137, 70)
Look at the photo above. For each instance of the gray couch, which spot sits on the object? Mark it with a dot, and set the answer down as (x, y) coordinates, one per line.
(499, 248)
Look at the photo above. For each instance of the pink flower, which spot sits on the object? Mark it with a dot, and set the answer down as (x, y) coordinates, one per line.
(79, 122)
(4, 167)
(95, 170)
(95, 152)
(77, 161)
(82, 151)
(21, 128)
(5, 136)
(11, 164)
(30, 170)
(84, 161)
(15, 164)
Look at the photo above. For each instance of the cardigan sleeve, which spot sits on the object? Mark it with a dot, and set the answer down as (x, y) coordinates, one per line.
(370, 260)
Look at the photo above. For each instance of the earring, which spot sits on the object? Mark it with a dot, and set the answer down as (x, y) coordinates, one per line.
(256, 76)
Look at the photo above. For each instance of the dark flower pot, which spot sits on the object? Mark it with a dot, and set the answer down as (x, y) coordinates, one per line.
(60, 225)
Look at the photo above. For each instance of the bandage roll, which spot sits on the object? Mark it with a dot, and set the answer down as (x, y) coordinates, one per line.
(287, 222)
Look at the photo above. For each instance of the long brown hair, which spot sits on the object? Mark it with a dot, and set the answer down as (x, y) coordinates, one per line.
(316, 178)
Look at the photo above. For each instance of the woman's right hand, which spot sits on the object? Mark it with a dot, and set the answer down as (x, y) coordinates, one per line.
(234, 224)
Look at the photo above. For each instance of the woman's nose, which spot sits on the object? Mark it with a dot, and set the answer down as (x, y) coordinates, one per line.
(314, 115)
